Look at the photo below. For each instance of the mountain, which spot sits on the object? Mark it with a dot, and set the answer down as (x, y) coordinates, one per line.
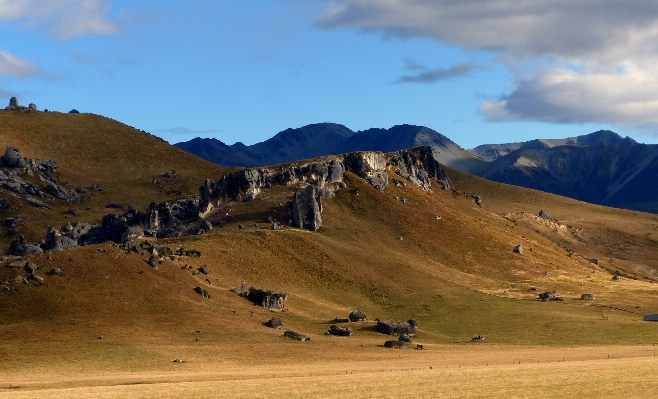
(601, 168)
(330, 138)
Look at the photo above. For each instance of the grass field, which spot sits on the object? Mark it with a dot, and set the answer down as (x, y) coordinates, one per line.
(439, 372)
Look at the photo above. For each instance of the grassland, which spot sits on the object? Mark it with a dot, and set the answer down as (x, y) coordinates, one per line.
(438, 258)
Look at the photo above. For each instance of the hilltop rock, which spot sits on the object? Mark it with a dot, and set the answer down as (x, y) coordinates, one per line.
(369, 165)
(13, 103)
(418, 165)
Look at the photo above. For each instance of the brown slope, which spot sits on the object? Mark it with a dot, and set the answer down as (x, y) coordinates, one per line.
(453, 274)
(94, 149)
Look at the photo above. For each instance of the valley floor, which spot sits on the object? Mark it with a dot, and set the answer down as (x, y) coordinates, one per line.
(450, 371)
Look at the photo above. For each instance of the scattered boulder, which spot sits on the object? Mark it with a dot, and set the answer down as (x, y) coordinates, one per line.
(357, 315)
(339, 331)
(73, 211)
(405, 338)
(296, 336)
(56, 272)
(36, 203)
(392, 327)
(204, 269)
(544, 215)
(240, 289)
(37, 279)
(587, 297)
(547, 296)
(477, 337)
(202, 292)
(518, 249)
(274, 322)
(154, 261)
(341, 320)
(268, 299)
(30, 267)
(395, 344)
(615, 278)
(178, 361)
(21, 247)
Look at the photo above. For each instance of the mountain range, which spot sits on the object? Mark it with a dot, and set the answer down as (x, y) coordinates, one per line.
(602, 167)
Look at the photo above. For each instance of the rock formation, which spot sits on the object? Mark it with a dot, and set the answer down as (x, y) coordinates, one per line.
(392, 327)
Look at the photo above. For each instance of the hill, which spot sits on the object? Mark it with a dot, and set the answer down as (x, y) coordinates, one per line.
(390, 245)
(128, 165)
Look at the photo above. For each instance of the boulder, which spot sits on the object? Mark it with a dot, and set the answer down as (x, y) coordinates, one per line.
(132, 233)
(587, 297)
(518, 249)
(274, 322)
(30, 267)
(21, 247)
(240, 290)
(73, 211)
(296, 336)
(392, 327)
(395, 344)
(268, 299)
(36, 203)
(340, 331)
(341, 320)
(202, 292)
(306, 208)
(615, 278)
(405, 338)
(357, 315)
(544, 214)
(477, 337)
(32, 107)
(13, 158)
(154, 261)
(37, 279)
(204, 269)
(56, 272)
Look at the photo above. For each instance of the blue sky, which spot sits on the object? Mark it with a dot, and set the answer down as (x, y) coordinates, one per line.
(477, 71)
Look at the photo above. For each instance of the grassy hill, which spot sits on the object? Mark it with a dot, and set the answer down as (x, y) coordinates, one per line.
(128, 164)
(438, 258)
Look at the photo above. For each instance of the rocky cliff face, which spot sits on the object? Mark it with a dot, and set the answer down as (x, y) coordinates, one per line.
(315, 181)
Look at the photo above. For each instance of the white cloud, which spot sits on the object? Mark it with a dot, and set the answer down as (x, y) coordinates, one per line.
(65, 19)
(10, 65)
(560, 95)
(590, 60)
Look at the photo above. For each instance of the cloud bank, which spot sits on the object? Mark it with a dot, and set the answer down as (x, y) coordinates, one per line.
(65, 19)
(591, 61)
(10, 65)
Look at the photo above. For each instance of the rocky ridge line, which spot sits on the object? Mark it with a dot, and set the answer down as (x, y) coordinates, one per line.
(188, 216)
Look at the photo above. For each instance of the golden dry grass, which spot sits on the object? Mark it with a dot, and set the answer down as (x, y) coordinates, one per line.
(456, 275)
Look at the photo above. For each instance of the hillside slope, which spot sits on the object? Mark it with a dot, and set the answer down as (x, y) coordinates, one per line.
(400, 252)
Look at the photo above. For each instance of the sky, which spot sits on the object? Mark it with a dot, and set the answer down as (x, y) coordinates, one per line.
(477, 71)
